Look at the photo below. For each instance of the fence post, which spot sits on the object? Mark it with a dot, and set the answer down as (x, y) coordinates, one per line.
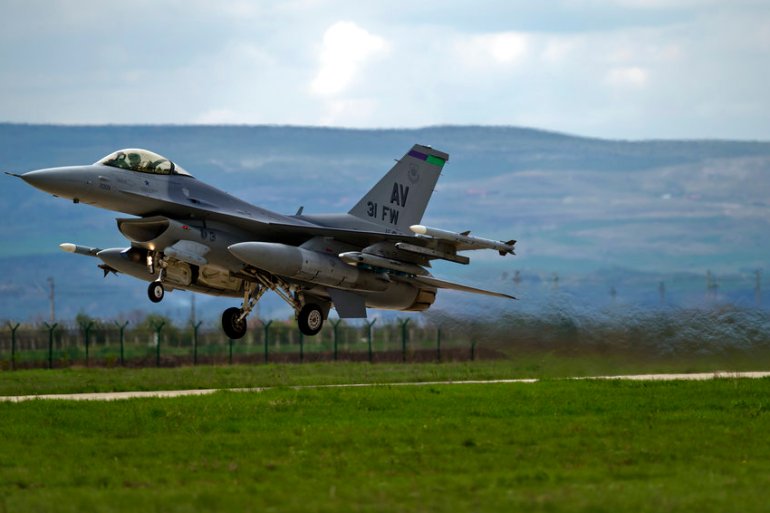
(438, 344)
(335, 325)
(122, 338)
(403, 338)
(51, 329)
(473, 350)
(195, 341)
(13, 343)
(266, 329)
(301, 347)
(369, 337)
(86, 327)
(158, 327)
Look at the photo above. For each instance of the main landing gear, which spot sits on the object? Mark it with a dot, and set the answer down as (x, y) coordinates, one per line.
(310, 316)
(310, 319)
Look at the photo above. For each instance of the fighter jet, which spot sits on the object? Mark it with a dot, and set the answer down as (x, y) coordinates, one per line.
(187, 235)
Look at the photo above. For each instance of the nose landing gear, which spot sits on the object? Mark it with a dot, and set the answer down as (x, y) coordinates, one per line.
(156, 291)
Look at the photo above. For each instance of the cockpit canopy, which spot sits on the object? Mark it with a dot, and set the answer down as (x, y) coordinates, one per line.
(143, 161)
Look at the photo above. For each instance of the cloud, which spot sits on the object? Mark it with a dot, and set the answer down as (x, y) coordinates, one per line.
(607, 68)
(500, 51)
(629, 76)
(345, 50)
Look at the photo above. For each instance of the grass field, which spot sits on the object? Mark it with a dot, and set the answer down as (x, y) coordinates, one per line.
(522, 365)
(548, 446)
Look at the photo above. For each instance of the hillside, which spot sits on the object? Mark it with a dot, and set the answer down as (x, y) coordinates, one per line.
(603, 215)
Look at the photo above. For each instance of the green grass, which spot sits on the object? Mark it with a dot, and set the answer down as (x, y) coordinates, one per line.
(548, 446)
(524, 365)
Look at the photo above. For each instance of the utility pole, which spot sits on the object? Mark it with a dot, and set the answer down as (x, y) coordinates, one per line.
(712, 287)
(662, 292)
(192, 308)
(51, 297)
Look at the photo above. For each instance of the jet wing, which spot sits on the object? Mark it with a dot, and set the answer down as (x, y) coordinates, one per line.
(443, 284)
(251, 219)
(359, 237)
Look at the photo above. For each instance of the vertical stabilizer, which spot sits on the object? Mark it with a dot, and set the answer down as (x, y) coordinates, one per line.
(400, 198)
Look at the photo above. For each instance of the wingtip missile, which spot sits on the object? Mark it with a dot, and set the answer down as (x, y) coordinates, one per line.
(465, 238)
(80, 250)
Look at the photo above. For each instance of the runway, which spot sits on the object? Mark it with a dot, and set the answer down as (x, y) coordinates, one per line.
(117, 396)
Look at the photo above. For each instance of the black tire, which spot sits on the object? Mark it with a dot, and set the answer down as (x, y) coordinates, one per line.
(232, 325)
(310, 319)
(156, 292)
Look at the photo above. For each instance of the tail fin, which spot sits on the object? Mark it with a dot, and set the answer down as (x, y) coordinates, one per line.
(399, 200)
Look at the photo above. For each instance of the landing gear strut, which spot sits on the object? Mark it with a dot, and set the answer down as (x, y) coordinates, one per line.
(234, 319)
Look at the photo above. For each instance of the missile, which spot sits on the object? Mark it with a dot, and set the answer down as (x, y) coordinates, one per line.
(306, 265)
(80, 250)
(465, 239)
(355, 258)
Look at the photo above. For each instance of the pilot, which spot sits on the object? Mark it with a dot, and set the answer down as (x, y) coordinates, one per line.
(119, 161)
(134, 160)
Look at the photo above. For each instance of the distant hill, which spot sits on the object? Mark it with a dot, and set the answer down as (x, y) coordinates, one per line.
(600, 214)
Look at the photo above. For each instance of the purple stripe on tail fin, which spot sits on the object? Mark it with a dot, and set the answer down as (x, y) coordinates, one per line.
(416, 154)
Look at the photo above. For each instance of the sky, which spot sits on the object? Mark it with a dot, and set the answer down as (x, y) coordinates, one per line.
(630, 69)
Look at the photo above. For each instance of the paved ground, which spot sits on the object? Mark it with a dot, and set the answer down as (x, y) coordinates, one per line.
(115, 396)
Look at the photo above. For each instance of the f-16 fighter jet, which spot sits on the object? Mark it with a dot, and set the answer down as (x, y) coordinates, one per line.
(188, 235)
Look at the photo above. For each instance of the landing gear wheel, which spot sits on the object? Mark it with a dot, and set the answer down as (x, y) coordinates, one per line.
(232, 324)
(155, 292)
(310, 319)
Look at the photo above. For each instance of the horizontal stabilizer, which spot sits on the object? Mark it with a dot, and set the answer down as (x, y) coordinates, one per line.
(443, 284)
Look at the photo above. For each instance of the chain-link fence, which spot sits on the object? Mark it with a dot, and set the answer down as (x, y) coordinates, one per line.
(109, 344)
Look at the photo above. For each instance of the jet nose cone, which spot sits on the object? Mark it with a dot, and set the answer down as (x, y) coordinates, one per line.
(42, 179)
(57, 181)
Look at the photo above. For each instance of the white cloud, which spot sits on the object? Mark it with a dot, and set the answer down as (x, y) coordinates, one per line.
(345, 50)
(630, 76)
(608, 68)
(503, 49)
